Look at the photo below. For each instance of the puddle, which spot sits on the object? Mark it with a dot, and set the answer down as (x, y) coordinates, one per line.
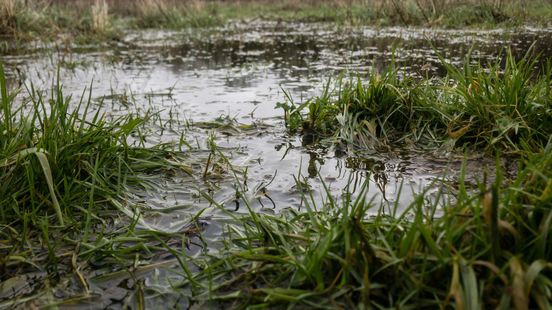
(196, 81)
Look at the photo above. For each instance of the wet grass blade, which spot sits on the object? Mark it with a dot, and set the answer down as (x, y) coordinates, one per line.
(43, 159)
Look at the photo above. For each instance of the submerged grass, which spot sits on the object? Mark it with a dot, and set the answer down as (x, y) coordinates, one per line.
(502, 106)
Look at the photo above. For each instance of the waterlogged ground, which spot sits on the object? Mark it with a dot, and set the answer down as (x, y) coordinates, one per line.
(223, 85)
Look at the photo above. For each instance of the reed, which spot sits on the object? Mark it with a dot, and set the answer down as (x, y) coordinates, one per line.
(99, 14)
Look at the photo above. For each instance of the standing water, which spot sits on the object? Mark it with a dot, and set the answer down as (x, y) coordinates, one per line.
(222, 85)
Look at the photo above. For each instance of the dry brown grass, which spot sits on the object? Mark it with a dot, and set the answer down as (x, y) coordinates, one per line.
(152, 6)
(148, 7)
(7, 8)
(8, 11)
(197, 5)
(99, 13)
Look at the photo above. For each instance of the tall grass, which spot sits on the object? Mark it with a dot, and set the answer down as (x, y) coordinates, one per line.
(62, 164)
(503, 105)
(8, 11)
(157, 13)
(43, 20)
(99, 14)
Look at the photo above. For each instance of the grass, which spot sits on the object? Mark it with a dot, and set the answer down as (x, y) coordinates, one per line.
(504, 106)
(38, 20)
(107, 20)
(68, 212)
(488, 248)
(53, 155)
(468, 247)
(68, 178)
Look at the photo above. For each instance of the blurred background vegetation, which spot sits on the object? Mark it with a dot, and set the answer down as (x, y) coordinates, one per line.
(89, 19)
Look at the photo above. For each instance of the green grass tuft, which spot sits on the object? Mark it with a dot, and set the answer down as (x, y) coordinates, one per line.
(496, 107)
(60, 168)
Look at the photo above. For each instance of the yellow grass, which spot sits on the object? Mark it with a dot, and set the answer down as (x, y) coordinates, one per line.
(99, 13)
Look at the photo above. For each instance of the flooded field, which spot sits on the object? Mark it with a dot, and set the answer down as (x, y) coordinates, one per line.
(221, 86)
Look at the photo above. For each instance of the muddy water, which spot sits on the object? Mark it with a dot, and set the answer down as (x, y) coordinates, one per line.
(225, 83)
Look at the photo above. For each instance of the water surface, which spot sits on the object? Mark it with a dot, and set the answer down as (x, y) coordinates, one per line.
(225, 83)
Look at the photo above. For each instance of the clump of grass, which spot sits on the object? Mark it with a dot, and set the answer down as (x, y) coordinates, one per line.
(8, 11)
(159, 14)
(61, 168)
(368, 114)
(73, 154)
(481, 107)
(502, 106)
(486, 250)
